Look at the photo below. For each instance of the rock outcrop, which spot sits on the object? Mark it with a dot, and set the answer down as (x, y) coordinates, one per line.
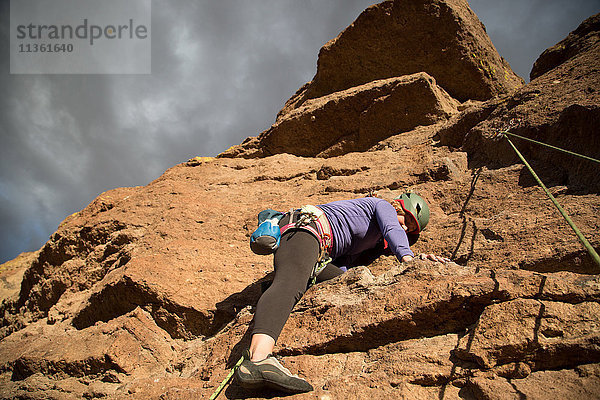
(442, 37)
(566, 101)
(148, 292)
(362, 79)
(582, 39)
(354, 119)
(11, 274)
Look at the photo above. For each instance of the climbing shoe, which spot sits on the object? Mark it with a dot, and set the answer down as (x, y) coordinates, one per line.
(269, 373)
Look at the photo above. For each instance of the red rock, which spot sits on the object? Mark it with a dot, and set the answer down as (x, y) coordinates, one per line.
(11, 274)
(363, 115)
(148, 292)
(585, 37)
(559, 108)
(443, 38)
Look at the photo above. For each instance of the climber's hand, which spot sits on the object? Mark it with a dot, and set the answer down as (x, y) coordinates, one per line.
(407, 259)
(433, 257)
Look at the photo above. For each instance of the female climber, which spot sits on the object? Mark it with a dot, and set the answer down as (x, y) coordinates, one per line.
(321, 243)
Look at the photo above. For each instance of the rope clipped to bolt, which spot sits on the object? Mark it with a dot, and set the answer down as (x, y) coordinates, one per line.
(505, 133)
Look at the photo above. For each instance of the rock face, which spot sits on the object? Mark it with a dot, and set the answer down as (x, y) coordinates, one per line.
(148, 292)
(355, 119)
(11, 274)
(394, 38)
(584, 38)
(567, 104)
(367, 75)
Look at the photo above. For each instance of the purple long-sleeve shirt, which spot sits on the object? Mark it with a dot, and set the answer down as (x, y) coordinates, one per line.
(357, 225)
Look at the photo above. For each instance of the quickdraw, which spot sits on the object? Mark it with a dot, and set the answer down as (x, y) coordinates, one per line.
(319, 266)
(578, 233)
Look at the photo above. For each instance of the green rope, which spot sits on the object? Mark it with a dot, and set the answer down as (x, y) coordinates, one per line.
(226, 380)
(582, 238)
(550, 146)
(317, 269)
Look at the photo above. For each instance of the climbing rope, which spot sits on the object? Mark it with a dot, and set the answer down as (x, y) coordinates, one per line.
(505, 132)
(226, 380)
(582, 238)
(317, 269)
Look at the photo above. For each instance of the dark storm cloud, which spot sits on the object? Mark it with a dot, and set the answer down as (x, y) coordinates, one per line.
(522, 30)
(220, 72)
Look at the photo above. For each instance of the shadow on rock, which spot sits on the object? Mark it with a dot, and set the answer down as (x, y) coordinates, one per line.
(232, 305)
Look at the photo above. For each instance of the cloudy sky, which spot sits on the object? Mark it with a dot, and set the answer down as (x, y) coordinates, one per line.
(220, 72)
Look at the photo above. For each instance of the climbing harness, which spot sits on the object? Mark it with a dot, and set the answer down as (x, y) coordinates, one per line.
(580, 235)
(307, 217)
(227, 379)
(266, 238)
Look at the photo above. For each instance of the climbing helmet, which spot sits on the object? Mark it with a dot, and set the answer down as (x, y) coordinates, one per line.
(417, 207)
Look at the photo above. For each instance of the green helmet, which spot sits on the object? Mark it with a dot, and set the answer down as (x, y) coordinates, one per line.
(416, 206)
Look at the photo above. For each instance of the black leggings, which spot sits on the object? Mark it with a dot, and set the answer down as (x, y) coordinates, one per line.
(294, 262)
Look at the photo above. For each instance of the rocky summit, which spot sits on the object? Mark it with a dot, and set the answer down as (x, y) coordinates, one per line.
(148, 292)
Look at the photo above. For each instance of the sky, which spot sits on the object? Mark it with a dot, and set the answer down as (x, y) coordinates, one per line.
(221, 70)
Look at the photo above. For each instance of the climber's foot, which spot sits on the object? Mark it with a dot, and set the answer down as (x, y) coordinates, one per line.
(269, 373)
